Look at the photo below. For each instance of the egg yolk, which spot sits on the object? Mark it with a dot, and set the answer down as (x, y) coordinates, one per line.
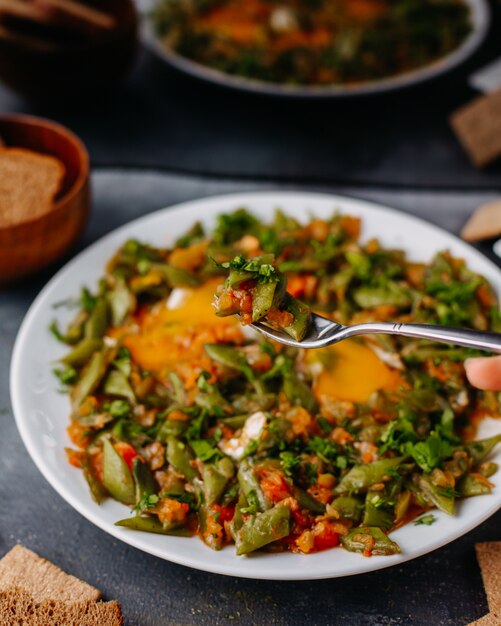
(351, 371)
(174, 333)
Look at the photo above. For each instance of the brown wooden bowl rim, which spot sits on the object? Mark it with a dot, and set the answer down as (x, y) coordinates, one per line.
(83, 174)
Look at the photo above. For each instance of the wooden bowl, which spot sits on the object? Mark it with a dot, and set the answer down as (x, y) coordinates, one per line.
(31, 245)
(72, 72)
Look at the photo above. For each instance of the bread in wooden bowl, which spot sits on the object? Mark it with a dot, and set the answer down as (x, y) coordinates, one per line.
(29, 184)
(44, 193)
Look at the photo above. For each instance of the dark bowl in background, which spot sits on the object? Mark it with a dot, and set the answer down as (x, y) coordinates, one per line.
(68, 72)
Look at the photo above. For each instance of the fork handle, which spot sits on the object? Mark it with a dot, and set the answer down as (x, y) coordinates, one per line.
(443, 334)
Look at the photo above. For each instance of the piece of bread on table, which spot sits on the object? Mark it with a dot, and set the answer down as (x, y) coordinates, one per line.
(29, 183)
(17, 607)
(42, 580)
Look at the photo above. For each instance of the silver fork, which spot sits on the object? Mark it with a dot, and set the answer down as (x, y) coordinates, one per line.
(324, 332)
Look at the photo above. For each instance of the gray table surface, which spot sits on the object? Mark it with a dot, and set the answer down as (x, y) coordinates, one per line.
(443, 588)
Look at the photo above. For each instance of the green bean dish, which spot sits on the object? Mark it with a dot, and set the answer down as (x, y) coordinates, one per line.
(313, 42)
(203, 428)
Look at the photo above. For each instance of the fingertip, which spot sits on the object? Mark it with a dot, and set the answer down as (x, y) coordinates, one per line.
(484, 372)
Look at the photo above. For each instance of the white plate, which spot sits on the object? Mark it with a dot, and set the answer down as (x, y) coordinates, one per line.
(42, 413)
(480, 15)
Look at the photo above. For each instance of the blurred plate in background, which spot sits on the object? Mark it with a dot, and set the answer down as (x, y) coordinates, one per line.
(480, 16)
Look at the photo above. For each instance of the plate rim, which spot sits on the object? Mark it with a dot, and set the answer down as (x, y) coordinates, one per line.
(482, 18)
(91, 513)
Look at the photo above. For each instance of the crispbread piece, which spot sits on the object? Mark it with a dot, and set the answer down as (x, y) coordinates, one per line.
(491, 619)
(29, 182)
(18, 607)
(42, 580)
(478, 127)
(489, 559)
(485, 222)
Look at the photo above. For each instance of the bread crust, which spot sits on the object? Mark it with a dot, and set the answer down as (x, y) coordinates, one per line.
(18, 607)
(43, 580)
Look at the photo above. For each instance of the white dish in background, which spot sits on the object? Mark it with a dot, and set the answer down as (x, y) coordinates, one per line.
(41, 412)
(480, 13)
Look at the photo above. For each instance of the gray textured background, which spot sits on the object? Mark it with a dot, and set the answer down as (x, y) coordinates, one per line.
(443, 588)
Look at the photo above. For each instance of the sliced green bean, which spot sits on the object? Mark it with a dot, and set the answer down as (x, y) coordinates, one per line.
(307, 501)
(180, 458)
(436, 496)
(250, 485)
(300, 325)
(479, 450)
(152, 525)
(402, 505)
(231, 357)
(238, 520)
(121, 302)
(263, 529)
(235, 421)
(369, 540)
(90, 377)
(215, 542)
(361, 477)
(298, 392)
(116, 384)
(97, 490)
(391, 295)
(82, 352)
(144, 482)
(96, 325)
(175, 276)
(267, 296)
(171, 428)
(470, 485)
(488, 469)
(117, 477)
(377, 512)
(349, 507)
(214, 483)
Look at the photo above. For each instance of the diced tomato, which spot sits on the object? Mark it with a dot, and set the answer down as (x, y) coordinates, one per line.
(171, 511)
(324, 494)
(301, 421)
(226, 513)
(75, 457)
(273, 484)
(127, 452)
(325, 536)
(178, 416)
(78, 434)
(282, 319)
(351, 226)
(301, 518)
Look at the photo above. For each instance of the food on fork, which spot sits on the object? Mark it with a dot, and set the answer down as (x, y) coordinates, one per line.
(257, 291)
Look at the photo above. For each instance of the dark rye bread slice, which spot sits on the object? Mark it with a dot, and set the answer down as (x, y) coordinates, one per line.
(29, 182)
(42, 580)
(18, 608)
